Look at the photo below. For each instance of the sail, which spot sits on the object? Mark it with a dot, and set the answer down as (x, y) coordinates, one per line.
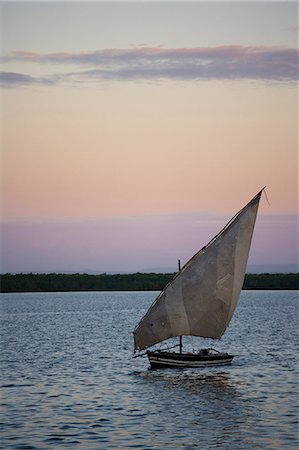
(200, 300)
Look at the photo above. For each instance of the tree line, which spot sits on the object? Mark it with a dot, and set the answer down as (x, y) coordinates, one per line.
(56, 282)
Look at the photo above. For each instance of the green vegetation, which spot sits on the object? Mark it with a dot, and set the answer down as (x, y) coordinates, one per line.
(83, 282)
(274, 281)
(126, 282)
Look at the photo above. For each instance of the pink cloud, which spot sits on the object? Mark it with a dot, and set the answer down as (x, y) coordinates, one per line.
(158, 63)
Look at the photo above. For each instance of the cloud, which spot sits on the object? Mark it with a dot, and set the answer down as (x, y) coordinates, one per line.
(158, 63)
(13, 79)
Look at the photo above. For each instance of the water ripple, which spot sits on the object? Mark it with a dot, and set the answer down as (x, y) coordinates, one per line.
(68, 379)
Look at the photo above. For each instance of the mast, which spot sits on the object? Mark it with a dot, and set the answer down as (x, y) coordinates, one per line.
(181, 337)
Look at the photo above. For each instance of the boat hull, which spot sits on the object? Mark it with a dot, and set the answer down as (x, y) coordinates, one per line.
(160, 359)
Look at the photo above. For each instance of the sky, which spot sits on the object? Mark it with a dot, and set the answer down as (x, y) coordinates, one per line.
(132, 132)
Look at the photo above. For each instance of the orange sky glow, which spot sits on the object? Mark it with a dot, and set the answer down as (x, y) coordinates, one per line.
(127, 151)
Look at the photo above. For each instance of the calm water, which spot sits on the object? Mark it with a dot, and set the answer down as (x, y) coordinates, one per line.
(68, 379)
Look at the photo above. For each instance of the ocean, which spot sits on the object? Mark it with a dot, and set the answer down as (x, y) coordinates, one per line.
(68, 379)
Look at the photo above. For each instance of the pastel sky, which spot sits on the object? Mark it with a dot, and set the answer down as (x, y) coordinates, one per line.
(131, 132)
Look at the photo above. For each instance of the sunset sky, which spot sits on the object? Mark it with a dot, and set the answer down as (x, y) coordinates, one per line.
(131, 132)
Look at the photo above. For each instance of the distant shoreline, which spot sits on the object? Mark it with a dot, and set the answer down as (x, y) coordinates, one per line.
(55, 282)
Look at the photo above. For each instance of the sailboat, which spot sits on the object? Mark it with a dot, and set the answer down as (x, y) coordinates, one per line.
(201, 298)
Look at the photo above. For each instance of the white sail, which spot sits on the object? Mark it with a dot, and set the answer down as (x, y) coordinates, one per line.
(200, 300)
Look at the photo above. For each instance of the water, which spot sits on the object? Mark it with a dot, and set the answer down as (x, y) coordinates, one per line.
(68, 379)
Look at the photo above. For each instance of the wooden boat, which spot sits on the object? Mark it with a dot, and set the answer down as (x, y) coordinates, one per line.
(205, 357)
(201, 298)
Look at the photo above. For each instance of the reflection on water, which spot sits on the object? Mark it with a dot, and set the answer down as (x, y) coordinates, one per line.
(68, 379)
(192, 381)
(215, 399)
